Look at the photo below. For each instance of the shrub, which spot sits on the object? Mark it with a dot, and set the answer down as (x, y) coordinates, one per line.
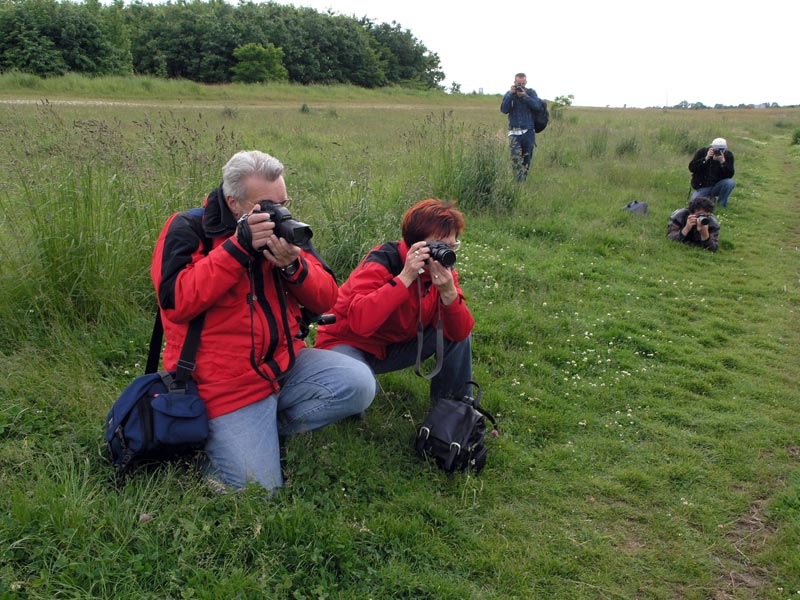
(470, 165)
(678, 139)
(628, 146)
(597, 143)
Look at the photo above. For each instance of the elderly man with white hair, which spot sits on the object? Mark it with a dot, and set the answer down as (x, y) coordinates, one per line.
(712, 172)
(232, 261)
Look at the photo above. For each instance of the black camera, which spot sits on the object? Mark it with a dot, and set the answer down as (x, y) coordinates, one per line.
(286, 227)
(442, 253)
(520, 88)
(718, 151)
(703, 219)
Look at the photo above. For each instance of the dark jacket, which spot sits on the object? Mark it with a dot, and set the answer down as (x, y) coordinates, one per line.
(706, 173)
(199, 267)
(375, 309)
(677, 221)
(520, 111)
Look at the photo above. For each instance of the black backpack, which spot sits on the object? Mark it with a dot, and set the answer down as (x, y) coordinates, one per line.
(541, 118)
(454, 432)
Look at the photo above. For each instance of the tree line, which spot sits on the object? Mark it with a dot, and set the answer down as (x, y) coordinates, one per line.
(211, 42)
(700, 106)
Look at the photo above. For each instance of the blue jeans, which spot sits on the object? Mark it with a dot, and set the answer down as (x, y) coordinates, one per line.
(721, 190)
(522, 153)
(456, 362)
(322, 388)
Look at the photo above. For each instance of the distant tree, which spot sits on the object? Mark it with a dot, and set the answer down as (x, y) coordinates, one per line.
(404, 59)
(198, 39)
(564, 100)
(259, 64)
(46, 37)
(27, 38)
(113, 19)
(455, 88)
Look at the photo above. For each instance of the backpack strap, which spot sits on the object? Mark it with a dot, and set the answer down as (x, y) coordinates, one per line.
(186, 363)
(192, 341)
(154, 355)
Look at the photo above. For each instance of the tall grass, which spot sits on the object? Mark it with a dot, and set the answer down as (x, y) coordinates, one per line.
(647, 391)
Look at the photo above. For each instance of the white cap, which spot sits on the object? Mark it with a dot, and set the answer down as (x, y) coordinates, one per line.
(719, 143)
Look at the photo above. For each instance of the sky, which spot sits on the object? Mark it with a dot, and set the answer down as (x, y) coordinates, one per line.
(635, 53)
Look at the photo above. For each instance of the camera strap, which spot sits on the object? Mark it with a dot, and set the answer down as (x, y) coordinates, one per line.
(421, 335)
(279, 375)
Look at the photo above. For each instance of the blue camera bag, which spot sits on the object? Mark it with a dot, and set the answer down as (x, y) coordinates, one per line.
(156, 418)
(159, 415)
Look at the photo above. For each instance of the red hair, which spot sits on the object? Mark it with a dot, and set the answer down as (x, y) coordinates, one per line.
(432, 217)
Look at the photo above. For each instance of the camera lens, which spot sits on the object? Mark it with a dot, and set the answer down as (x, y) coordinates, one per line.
(286, 227)
(442, 253)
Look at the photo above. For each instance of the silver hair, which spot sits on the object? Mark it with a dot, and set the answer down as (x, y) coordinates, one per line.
(246, 164)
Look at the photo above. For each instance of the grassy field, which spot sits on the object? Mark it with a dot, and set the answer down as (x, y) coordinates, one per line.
(647, 392)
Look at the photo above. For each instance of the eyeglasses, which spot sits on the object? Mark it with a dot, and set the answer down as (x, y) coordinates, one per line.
(284, 203)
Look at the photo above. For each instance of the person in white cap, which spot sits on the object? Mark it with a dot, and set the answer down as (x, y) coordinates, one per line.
(712, 172)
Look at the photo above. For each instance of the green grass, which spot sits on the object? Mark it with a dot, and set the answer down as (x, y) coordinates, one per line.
(647, 392)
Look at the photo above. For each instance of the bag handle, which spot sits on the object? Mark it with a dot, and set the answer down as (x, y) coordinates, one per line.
(476, 404)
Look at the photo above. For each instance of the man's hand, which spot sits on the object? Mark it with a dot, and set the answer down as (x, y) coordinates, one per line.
(703, 230)
(691, 223)
(262, 240)
(259, 227)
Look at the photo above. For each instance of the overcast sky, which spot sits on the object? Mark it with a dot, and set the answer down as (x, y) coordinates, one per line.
(606, 52)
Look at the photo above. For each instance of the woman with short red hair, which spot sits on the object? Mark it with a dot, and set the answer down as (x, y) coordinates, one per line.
(400, 285)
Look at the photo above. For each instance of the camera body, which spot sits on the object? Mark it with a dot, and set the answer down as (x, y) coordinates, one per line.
(442, 253)
(286, 227)
(703, 219)
(520, 88)
(718, 151)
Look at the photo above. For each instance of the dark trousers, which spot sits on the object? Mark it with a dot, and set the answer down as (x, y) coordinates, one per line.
(522, 152)
(456, 364)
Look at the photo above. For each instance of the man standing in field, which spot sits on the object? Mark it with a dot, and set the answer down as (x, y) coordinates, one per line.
(520, 104)
(712, 172)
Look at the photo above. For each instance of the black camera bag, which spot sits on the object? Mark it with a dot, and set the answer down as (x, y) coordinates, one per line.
(454, 432)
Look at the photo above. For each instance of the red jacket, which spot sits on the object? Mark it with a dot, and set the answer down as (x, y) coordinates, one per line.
(188, 282)
(375, 309)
